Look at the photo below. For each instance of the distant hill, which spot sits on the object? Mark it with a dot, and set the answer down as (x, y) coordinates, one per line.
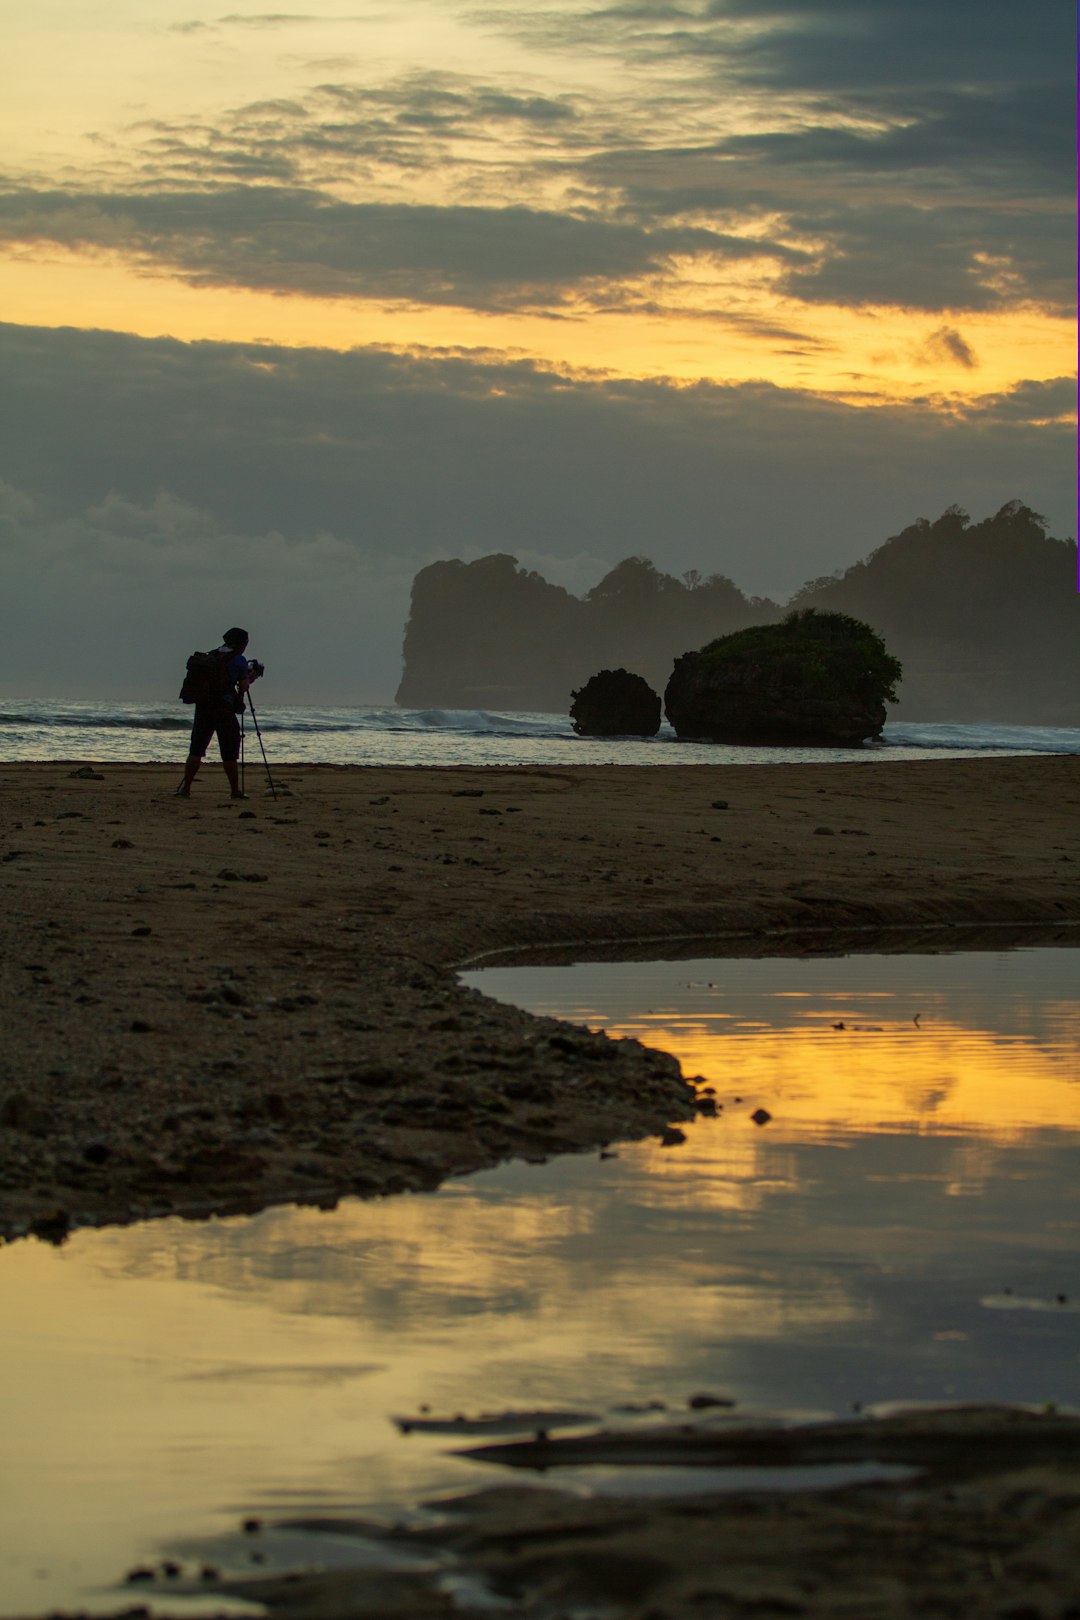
(490, 634)
(984, 617)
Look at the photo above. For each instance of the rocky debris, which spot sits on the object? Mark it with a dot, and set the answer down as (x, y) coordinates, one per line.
(508, 1422)
(615, 703)
(203, 1137)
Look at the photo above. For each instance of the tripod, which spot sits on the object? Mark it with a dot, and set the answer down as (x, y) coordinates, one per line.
(258, 733)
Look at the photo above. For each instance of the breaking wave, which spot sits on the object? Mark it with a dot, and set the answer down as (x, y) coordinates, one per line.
(383, 734)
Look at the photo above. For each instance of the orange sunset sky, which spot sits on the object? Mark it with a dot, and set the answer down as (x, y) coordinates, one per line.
(363, 286)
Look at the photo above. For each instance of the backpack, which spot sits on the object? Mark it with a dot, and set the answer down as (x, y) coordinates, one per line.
(207, 677)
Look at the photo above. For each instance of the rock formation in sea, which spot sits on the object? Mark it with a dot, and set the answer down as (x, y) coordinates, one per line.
(493, 634)
(615, 703)
(815, 678)
(985, 617)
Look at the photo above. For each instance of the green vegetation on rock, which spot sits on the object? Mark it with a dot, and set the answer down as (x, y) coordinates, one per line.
(825, 655)
(813, 678)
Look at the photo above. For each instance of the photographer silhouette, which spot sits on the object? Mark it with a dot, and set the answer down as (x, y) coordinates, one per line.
(218, 711)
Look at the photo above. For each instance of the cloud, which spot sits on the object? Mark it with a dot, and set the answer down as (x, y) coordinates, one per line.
(262, 20)
(949, 345)
(342, 136)
(1029, 403)
(916, 156)
(163, 576)
(280, 240)
(859, 45)
(271, 19)
(951, 126)
(167, 484)
(819, 47)
(949, 212)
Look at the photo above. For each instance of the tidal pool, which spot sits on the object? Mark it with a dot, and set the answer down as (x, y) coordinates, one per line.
(904, 1226)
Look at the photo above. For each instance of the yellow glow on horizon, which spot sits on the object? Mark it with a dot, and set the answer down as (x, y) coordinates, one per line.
(112, 100)
(875, 357)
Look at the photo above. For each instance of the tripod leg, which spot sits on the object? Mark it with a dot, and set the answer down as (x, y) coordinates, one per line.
(258, 733)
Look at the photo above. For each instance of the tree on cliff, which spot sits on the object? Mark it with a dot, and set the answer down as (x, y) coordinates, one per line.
(985, 616)
(493, 634)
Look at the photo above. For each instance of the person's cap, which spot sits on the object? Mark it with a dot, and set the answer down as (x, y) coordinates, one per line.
(234, 637)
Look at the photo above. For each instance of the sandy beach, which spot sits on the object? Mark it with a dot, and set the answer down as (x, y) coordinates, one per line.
(212, 1006)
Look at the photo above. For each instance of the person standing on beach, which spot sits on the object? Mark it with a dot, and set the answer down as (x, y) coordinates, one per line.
(220, 714)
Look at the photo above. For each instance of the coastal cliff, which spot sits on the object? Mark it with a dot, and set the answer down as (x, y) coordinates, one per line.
(984, 617)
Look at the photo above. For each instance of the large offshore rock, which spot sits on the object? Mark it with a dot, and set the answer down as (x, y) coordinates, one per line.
(815, 678)
(615, 703)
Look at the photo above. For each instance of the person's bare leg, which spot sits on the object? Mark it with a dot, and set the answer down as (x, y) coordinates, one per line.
(232, 771)
(191, 767)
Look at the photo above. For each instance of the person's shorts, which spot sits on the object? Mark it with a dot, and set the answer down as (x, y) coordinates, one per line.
(211, 717)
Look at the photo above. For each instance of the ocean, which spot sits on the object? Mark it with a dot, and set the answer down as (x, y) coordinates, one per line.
(103, 732)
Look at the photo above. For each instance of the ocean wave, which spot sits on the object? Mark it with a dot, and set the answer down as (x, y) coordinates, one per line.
(96, 722)
(313, 720)
(983, 738)
(381, 733)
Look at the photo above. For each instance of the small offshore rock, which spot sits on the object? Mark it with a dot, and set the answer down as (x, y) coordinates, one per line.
(615, 703)
(672, 1136)
(761, 1116)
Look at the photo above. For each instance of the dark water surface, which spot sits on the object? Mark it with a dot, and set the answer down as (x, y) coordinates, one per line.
(129, 733)
(904, 1226)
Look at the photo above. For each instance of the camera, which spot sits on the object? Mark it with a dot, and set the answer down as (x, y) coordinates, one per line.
(255, 668)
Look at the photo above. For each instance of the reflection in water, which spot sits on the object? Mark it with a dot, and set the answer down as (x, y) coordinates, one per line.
(845, 1047)
(901, 1228)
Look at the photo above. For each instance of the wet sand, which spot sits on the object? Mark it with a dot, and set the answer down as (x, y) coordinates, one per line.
(979, 1533)
(212, 1006)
